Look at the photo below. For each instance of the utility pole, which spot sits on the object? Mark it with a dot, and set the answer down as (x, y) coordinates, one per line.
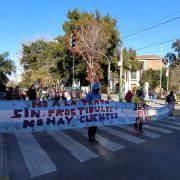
(120, 64)
(73, 73)
(160, 85)
(168, 81)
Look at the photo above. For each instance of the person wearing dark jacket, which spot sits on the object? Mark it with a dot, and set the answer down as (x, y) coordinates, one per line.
(129, 95)
(2, 90)
(170, 99)
(93, 95)
(32, 93)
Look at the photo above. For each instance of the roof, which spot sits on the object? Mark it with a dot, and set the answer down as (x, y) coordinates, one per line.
(150, 57)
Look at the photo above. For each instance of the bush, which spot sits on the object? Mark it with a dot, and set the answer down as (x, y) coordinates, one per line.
(178, 97)
(104, 89)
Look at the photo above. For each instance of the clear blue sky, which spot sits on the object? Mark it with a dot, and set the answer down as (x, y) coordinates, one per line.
(23, 21)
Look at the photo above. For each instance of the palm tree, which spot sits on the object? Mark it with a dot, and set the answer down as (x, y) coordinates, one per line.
(7, 67)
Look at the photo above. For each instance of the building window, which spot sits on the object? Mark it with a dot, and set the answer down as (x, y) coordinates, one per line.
(133, 75)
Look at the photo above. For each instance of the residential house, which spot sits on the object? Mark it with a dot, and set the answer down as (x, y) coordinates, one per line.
(146, 62)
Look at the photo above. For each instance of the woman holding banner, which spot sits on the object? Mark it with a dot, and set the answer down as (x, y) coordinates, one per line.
(93, 95)
(138, 99)
(170, 99)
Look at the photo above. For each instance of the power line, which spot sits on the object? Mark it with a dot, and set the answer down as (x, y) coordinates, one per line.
(158, 43)
(160, 24)
(158, 21)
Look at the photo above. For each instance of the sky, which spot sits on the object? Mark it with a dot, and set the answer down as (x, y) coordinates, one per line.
(24, 21)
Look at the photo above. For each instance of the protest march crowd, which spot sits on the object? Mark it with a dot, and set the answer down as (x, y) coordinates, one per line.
(10, 93)
(45, 94)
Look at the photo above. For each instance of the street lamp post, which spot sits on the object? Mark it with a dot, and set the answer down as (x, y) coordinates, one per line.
(120, 64)
(73, 72)
(161, 73)
(129, 78)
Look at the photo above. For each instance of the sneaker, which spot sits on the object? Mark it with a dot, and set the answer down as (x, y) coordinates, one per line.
(136, 131)
(91, 142)
(95, 141)
(141, 131)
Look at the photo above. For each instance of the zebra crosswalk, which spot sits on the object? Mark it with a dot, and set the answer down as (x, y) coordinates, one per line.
(107, 143)
(146, 133)
(79, 151)
(38, 161)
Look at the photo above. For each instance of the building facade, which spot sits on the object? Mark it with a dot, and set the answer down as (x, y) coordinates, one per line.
(146, 62)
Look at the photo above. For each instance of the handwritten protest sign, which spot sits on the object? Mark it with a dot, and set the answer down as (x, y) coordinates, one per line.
(50, 115)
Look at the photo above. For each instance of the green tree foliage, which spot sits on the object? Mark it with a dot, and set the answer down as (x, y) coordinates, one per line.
(153, 77)
(7, 67)
(129, 60)
(33, 55)
(36, 62)
(174, 59)
(176, 47)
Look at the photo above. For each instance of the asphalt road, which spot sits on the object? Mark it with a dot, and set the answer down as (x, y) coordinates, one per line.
(120, 154)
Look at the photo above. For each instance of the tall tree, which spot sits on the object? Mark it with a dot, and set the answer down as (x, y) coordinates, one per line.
(7, 67)
(36, 62)
(173, 60)
(93, 34)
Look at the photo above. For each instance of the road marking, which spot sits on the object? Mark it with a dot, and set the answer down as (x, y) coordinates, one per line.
(170, 122)
(79, 151)
(158, 129)
(107, 143)
(146, 133)
(36, 159)
(122, 135)
(1, 155)
(168, 126)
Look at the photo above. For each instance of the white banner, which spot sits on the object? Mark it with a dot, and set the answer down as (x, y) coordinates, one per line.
(50, 115)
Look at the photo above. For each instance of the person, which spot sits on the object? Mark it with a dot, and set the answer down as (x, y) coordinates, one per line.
(128, 97)
(44, 94)
(9, 94)
(138, 98)
(93, 95)
(16, 93)
(170, 99)
(2, 90)
(32, 93)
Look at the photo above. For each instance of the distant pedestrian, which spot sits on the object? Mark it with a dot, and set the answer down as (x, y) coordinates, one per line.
(2, 90)
(129, 95)
(9, 94)
(16, 93)
(32, 93)
(44, 94)
(170, 99)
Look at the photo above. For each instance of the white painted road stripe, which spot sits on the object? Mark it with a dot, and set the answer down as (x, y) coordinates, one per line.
(146, 133)
(168, 126)
(158, 129)
(1, 155)
(170, 122)
(122, 135)
(107, 143)
(36, 159)
(79, 151)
